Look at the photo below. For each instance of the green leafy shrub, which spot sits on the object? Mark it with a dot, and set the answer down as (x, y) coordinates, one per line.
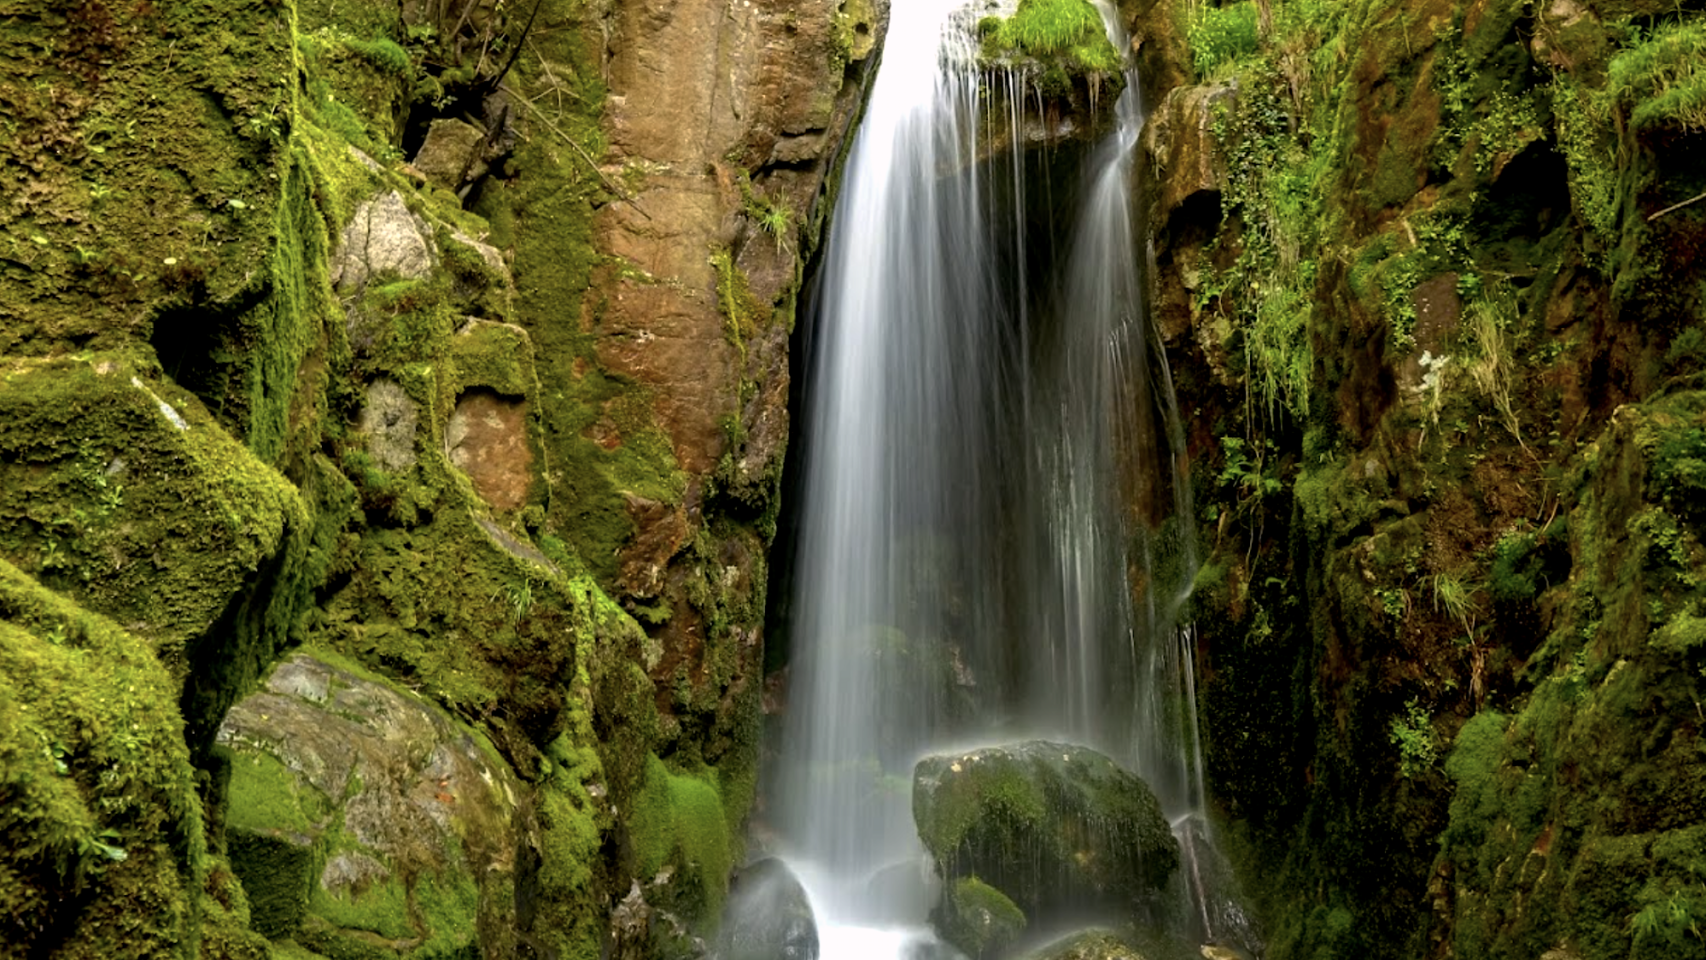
(1221, 35)
(1413, 734)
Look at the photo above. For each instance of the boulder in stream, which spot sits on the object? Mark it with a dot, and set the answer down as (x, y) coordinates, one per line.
(980, 919)
(1050, 825)
(1087, 945)
(767, 916)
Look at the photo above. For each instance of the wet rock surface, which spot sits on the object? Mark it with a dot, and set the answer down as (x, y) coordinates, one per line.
(1047, 824)
(1087, 945)
(768, 916)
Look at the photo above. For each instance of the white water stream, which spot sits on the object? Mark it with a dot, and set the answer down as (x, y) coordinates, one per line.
(985, 410)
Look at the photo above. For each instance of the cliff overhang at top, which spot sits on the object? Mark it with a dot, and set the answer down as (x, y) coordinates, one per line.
(1055, 55)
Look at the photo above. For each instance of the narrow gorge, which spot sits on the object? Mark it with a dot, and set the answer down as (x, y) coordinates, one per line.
(761, 479)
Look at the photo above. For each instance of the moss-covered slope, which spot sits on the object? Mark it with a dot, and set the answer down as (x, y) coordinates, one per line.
(1427, 272)
(297, 349)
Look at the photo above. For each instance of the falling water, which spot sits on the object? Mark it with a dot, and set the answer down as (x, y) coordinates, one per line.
(993, 540)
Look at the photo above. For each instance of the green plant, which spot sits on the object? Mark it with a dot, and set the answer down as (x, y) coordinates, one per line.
(1053, 28)
(774, 217)
(1488, 320)
(1221, 35)
(1413, 733)
(1453, 595)
(1663, 79)
(1246, 470)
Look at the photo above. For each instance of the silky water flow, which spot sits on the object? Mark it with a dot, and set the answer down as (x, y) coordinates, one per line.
(992, 461)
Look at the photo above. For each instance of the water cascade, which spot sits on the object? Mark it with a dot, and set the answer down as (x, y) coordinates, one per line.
(992, 544)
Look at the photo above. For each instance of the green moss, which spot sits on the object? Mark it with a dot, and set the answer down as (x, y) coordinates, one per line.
(97, 476)
(278, 874)
(980, 919)
(265, 795)
(101, 802)
(1068, 30)
(678, 821)
(1659, 79)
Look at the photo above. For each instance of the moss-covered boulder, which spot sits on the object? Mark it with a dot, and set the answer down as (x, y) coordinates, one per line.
(362, 816)
(1088, 945)
(980, 919)
(1048, 824)
(121, 491)
(103, 852)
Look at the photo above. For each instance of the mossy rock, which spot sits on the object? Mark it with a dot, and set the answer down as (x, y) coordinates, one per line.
(980, 919)
(1060, 46)
(1048, 824)
(1087, 945)
(679, 834)
(122, 491)
(362, 816)
(104, 850)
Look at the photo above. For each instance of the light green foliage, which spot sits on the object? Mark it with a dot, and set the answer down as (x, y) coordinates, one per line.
(1221, 36)
(1248, 469)
(1071, 30)
(1585, 136)
(1274, 188)
(1413, 734)
(773, 216)
(1488, 320)
(1454, 596)
(1662, 80)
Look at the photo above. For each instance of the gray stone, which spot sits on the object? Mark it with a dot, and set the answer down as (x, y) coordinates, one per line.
(398, 792)
(388, 419)
(383, 237)
(489, 254)
(450, 156)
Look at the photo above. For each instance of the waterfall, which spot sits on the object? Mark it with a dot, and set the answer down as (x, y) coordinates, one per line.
(994, 538)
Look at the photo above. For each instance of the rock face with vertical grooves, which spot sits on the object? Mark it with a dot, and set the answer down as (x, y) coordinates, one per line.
(1047, 824)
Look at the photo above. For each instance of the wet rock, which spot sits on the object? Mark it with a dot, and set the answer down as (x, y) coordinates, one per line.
(1079, 79)
(388, 418)
(1048, 824)
(980, 919)
(350, 797)
(486, 438)
(1180, 139)
(451, 154)
(768, 916)
(382, 237)
(1087, 945)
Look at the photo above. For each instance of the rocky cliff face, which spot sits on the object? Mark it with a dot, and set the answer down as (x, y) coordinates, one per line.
(1428, 274)
(449, 341)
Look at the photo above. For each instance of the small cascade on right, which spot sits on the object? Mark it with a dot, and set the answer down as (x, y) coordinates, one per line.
(1112, 378)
